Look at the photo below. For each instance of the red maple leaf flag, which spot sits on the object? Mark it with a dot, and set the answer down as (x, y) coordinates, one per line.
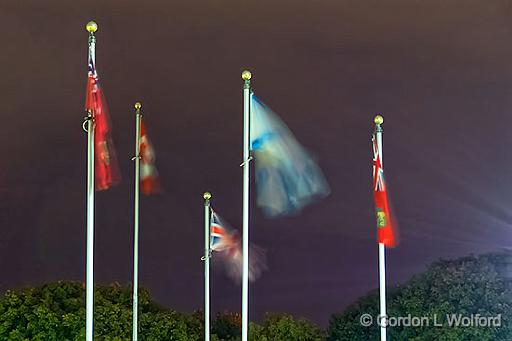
(106, 168)
(149, 179)
(386, 226)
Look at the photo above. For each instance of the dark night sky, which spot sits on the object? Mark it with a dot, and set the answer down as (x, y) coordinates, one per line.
(439, 71)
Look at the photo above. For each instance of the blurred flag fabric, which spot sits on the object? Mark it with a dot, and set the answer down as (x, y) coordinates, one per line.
(287, 177)
(150, 181)
(386, 225)
(226, 241)
(221, 239)
(106, 168)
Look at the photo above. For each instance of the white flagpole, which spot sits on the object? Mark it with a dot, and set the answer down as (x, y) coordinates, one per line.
(206, 258)
(89, 123)
(136, 158)
(382, 248)
(246, 76)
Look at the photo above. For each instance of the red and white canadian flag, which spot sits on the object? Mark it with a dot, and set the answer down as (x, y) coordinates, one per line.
(149, 179)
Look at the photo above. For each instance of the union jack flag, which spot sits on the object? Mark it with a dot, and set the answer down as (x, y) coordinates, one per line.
(220, 238)
(226, 241)
(378, 172)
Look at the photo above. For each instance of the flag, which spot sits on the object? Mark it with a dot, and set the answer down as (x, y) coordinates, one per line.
(150, 182)
(105, 162)
(220, 238)
(386, 226)
(287, 177)
(226, 241)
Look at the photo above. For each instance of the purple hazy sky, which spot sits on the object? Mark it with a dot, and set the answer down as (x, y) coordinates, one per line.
(439, 71)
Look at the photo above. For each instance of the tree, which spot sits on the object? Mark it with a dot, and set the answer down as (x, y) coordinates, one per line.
(470, 285)
(227, 326)
(467, 286)
(275, 327)
(56, 312)
(283, 327)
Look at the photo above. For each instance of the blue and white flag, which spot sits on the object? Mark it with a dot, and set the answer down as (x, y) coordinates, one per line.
(287, 178)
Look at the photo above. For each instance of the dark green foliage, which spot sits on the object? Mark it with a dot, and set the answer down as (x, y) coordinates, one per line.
(283, 327)
(56, 312)
(275, 327)
(469, 285)
(227, 326)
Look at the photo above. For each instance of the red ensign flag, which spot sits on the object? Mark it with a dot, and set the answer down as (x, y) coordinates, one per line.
(106, 168)
(386, 227)
(149, 180)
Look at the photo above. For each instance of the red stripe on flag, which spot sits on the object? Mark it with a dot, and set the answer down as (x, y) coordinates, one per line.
(217, 230)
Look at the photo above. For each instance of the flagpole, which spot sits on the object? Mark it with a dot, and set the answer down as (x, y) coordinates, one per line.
(246, 76)
(136, 158)
(206, 258)
(91, 27)
(382, 248)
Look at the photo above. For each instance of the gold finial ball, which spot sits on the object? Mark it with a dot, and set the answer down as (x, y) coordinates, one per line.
(138, 105)
(246, 75)
(207, 195)
(91, 27)
(378, 120)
